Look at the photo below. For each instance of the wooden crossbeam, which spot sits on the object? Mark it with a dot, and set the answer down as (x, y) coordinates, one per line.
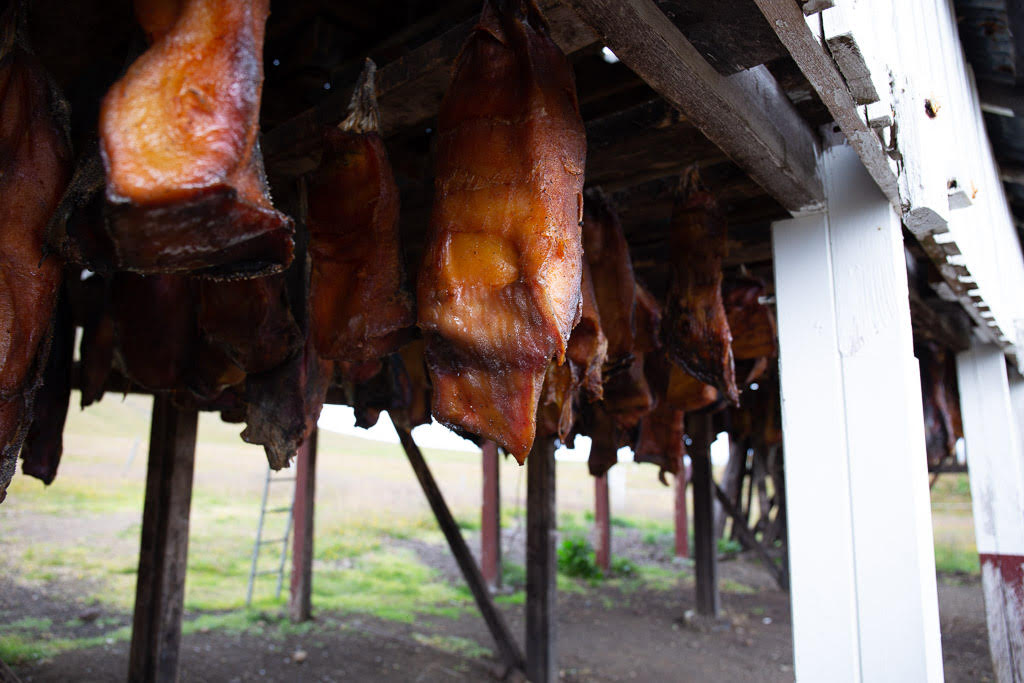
(747, 115)
(786, 17)
(6, 675)
(748, 538)
(509, 649)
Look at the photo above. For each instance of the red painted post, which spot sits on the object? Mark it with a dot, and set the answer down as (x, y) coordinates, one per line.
(300, 603)
(602, 520)
(490, 523)
(682, 520)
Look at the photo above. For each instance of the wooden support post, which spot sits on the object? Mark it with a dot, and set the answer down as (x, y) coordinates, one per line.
(541, 564)
(682, 521)
(705, 552)
(997, 495)
(490, 522)
(163, 551)
(748, 538)
(300, 597)
(602, 523)
(509, 650)
(6, 675)
(851, 410)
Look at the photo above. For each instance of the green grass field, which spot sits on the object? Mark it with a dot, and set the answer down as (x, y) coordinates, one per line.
(84, 529)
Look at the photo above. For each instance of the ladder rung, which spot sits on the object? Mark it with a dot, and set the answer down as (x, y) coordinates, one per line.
(283, 508)
(267, 571)
(273, 540)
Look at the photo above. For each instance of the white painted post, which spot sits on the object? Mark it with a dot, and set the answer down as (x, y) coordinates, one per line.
(864, 598)
(988, 402)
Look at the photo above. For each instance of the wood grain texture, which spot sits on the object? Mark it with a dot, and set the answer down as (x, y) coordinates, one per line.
(746, 115)
(490, 514)
(817, 65)
(541, 564)
(163, 553)
(705, 548)
(300, 596)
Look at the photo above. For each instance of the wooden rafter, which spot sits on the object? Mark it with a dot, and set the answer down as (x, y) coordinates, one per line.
(823, 74)
(747, 115)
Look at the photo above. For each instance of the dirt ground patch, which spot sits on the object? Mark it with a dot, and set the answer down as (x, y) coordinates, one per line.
(606, 633)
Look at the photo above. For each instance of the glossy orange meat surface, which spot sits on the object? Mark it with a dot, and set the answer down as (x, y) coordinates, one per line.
(688, 393)
(499, 289)
(605, 248)
(751, 323)
(35, 165)
(359, 309)
(178, 135)
(696, 329)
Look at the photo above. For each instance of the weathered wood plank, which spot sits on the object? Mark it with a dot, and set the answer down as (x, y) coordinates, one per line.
(681, 517)
(509, 650)
(163, 551)
(788, 21)
(300, 596)
(705, 551)
(746, 115)
(602, 524)
(6, 675)
(541, 564)
(748, 538)
(490, 517)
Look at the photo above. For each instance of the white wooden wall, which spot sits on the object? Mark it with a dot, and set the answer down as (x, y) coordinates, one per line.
(861, 550)
(992, 407)
(910, 52)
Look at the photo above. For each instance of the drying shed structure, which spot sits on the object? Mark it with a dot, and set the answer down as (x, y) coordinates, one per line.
(846, 142)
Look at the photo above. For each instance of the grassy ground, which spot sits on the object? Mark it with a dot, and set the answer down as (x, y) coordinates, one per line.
(84, 531)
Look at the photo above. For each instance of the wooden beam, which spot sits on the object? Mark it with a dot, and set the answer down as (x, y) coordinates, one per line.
(682, 522)
(300, 595)
(705, 551)
(541, 564)
(786, 17)
(602, 523)
(163, 551)
(6, 675)
(992, 425)
(746, 115)
(748, 538)
(509, 650)
(490, 517)
(644, 142)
